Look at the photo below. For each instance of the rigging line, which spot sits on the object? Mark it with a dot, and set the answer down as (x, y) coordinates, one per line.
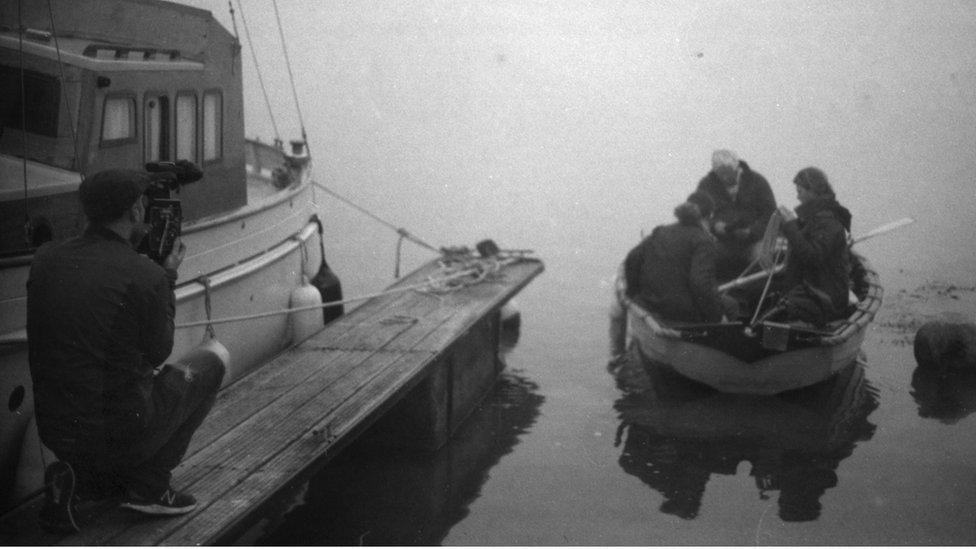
(23, 121)
(64, 94)
(291, 77)
(233, 20)
(257, 68)
(402, 232)
(472, 271)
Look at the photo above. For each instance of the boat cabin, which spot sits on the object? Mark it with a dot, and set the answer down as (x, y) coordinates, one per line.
(107, 84)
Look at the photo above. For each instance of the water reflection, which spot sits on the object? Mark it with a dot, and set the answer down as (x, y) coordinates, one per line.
(367, 496)
(677, 433)
(947, 398)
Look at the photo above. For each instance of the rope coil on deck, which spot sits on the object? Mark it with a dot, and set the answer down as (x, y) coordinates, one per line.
(460, 270)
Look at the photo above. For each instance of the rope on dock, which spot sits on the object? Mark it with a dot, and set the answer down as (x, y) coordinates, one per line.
(476, 270)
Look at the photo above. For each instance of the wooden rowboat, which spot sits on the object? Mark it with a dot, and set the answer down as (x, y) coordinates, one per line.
(774, 358)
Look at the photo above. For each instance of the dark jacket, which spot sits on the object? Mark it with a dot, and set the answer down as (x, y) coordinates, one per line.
(750, 208)
(819, 259)
(672, 273)
(99, 319)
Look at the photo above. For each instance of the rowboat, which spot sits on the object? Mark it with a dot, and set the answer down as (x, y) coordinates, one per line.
(98, 84)
(773, 357)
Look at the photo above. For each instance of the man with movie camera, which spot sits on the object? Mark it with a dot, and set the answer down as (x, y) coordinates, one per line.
(100, 324)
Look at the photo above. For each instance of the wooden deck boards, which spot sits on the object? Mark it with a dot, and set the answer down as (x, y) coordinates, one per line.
(279, 424)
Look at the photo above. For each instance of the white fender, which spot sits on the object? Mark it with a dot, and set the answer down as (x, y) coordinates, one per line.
(214, 347)
(307, 322)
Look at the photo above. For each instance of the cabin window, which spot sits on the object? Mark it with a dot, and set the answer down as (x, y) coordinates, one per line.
(213, 123)
(118, 120)
(41, 108)
(156, 111)
(186, 127)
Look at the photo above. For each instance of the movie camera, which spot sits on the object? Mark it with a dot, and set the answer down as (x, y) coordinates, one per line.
(164, 215)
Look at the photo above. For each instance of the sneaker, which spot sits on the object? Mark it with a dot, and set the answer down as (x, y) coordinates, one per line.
(167, 502)
(59, 513)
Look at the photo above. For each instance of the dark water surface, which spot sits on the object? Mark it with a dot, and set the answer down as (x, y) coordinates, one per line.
(571, 127)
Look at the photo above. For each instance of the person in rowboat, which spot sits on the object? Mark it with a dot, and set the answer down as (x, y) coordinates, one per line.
(743, 203)
(818, 269)
(672, 271)
(99, 322)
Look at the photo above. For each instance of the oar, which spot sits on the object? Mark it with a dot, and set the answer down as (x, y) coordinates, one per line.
(743, 280)
(886, 228)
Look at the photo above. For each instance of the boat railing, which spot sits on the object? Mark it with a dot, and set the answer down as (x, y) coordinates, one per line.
(865, 309)
(863, 314)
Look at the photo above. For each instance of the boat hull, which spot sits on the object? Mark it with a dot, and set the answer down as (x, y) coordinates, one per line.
(732, 359)
(773, 374)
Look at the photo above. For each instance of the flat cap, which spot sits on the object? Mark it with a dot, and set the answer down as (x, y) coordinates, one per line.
(106, 195)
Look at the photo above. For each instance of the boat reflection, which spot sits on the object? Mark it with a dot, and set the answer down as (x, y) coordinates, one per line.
(947, 398)
(677, 433)
(370, 496)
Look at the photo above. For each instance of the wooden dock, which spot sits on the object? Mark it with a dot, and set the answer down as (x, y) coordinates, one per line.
(427, 356)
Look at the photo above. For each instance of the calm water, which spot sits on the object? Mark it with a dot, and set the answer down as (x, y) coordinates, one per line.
(569, 128)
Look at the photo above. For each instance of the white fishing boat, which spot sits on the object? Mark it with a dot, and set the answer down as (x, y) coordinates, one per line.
(97, 84)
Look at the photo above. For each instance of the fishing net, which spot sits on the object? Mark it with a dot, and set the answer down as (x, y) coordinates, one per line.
(773, 247)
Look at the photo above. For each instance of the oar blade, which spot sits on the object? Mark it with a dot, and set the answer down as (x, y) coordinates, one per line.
(887, 227)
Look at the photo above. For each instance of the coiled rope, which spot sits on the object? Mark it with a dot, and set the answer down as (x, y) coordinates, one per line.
(459, 274)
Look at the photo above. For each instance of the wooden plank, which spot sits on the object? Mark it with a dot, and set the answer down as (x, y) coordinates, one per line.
(393, 381)
(277, 424)
(217, 468)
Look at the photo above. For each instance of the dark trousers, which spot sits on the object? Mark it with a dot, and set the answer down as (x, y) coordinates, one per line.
(182, 397)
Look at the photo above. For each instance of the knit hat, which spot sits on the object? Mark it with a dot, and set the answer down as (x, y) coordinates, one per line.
(704, 202)
(699, 206)
(724, 157)
(106, 195)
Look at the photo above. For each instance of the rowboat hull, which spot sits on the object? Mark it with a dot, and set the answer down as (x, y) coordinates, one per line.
(766, 376)
(732, 359)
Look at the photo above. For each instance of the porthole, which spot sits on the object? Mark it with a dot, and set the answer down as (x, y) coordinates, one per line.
(16, 398)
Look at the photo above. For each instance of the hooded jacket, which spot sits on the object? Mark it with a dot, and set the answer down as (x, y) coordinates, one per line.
(672, 273)
(819, 257)
(750, 209)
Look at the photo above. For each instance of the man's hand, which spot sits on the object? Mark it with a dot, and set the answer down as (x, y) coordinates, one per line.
(786, 213)
(719, 227)
(175, 257)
